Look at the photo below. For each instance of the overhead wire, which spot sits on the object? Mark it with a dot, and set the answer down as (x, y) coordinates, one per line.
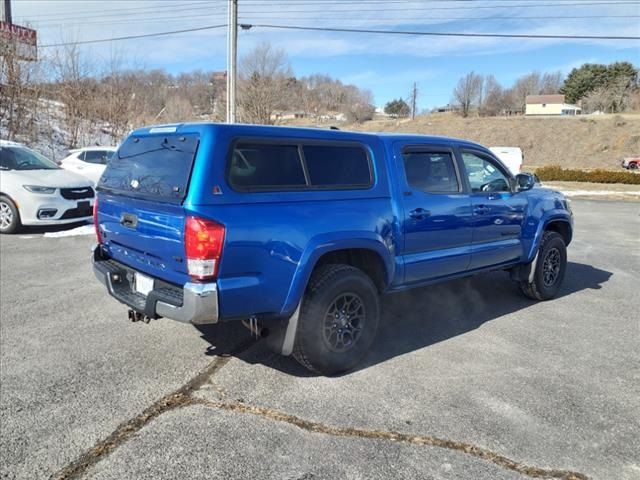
(201, 6)
(130, 37)
(355, 30)
(442, 34)
(124, 10)
(249, 18)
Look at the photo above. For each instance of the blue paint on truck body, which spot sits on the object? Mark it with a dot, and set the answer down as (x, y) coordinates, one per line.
(275, 237)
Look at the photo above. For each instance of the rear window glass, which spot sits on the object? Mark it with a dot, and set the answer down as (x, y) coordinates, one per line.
(266, 166)
(280, 167)
(156, 167)
(337, 165)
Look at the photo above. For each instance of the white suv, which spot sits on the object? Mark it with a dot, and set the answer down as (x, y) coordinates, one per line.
(89, 162)
(36, 191)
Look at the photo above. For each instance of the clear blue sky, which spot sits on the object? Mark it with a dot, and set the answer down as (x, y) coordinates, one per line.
(385, 64)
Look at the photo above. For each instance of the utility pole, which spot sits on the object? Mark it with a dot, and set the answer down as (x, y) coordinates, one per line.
(232, 52)
(414, 97)
(7, 11)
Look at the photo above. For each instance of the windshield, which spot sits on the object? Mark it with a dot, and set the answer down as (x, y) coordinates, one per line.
(21, 158)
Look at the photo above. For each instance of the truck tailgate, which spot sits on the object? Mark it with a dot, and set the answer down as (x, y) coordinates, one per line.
(145, 235)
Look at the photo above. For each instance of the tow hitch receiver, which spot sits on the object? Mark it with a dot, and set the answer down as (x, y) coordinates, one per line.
(137, 316)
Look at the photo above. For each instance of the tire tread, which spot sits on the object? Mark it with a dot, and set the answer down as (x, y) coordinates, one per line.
(530, 289)
(323, 275)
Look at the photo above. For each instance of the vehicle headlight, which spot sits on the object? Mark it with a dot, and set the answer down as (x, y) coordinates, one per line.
(39, 189)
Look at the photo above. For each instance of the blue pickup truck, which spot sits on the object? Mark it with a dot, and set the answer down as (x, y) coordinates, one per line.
(300, 232)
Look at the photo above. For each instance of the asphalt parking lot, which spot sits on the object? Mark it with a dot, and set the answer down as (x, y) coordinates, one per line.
(467, 380)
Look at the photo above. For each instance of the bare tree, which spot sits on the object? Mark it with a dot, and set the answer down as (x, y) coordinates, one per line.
(467, 92)
(615, 97)
(75, 88)
(178, 109)
(357, 104)
(528, 84)
(494, 98)
(262, 87)
(551, 82)
(598, 100)
(19, 91)
(116, 105)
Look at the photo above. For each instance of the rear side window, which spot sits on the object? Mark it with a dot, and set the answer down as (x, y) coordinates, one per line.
(337, 166)
(431, 171)
(298, 166)
(156, 167)
(96, 156)
(266, 166)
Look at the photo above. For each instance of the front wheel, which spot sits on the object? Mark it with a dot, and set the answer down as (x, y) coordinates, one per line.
(633, 166)
(9, 216)
(550, 268)
(338, 320)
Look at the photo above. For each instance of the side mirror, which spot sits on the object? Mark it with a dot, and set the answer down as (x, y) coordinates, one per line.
(525, 181)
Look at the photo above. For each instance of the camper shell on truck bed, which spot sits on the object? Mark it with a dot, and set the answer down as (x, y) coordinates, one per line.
(213, 222)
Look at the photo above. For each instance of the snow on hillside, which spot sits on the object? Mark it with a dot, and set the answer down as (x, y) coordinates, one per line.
(48, 134)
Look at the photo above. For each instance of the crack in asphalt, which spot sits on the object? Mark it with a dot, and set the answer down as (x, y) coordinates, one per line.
(467, 448)
(184, 397)
(124, 431)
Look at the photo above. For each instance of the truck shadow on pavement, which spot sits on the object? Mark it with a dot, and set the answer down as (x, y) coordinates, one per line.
(417, 318)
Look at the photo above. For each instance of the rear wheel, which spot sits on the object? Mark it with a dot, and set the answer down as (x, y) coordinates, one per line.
(9, 216)
(550, 268)
(338, 320)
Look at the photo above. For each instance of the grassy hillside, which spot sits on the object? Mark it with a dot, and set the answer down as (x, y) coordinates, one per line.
(581, 142)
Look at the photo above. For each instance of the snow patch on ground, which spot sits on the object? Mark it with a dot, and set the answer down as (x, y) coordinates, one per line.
(81, 230)
(49, 136)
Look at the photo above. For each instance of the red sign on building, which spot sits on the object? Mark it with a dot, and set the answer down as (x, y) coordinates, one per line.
(21, 40)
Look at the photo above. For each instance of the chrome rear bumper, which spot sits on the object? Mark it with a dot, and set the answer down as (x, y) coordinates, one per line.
(195, 303)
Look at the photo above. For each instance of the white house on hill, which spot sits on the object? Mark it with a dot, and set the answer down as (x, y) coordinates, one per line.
(550, 105)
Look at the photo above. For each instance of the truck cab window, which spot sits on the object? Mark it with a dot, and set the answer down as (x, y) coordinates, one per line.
(484, 175)
(431, 172)
(266, 166)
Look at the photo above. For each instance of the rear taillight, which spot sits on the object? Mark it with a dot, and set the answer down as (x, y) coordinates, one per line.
(95, 221)
(203, 241)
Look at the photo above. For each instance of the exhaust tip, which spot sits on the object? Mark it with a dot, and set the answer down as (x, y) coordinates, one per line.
(255, 327)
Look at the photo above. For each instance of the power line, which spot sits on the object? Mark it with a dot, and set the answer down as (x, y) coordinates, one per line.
(431, 20)
(350, 30)
(202, 6)
(120, 11)
(164, 20)
(439, 34)
(381, 2)
(117, 14)
(468, 7)
(130, 37)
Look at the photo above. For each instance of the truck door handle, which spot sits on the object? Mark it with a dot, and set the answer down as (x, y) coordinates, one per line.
(419, 213)
(481, 209)
(129, 220)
